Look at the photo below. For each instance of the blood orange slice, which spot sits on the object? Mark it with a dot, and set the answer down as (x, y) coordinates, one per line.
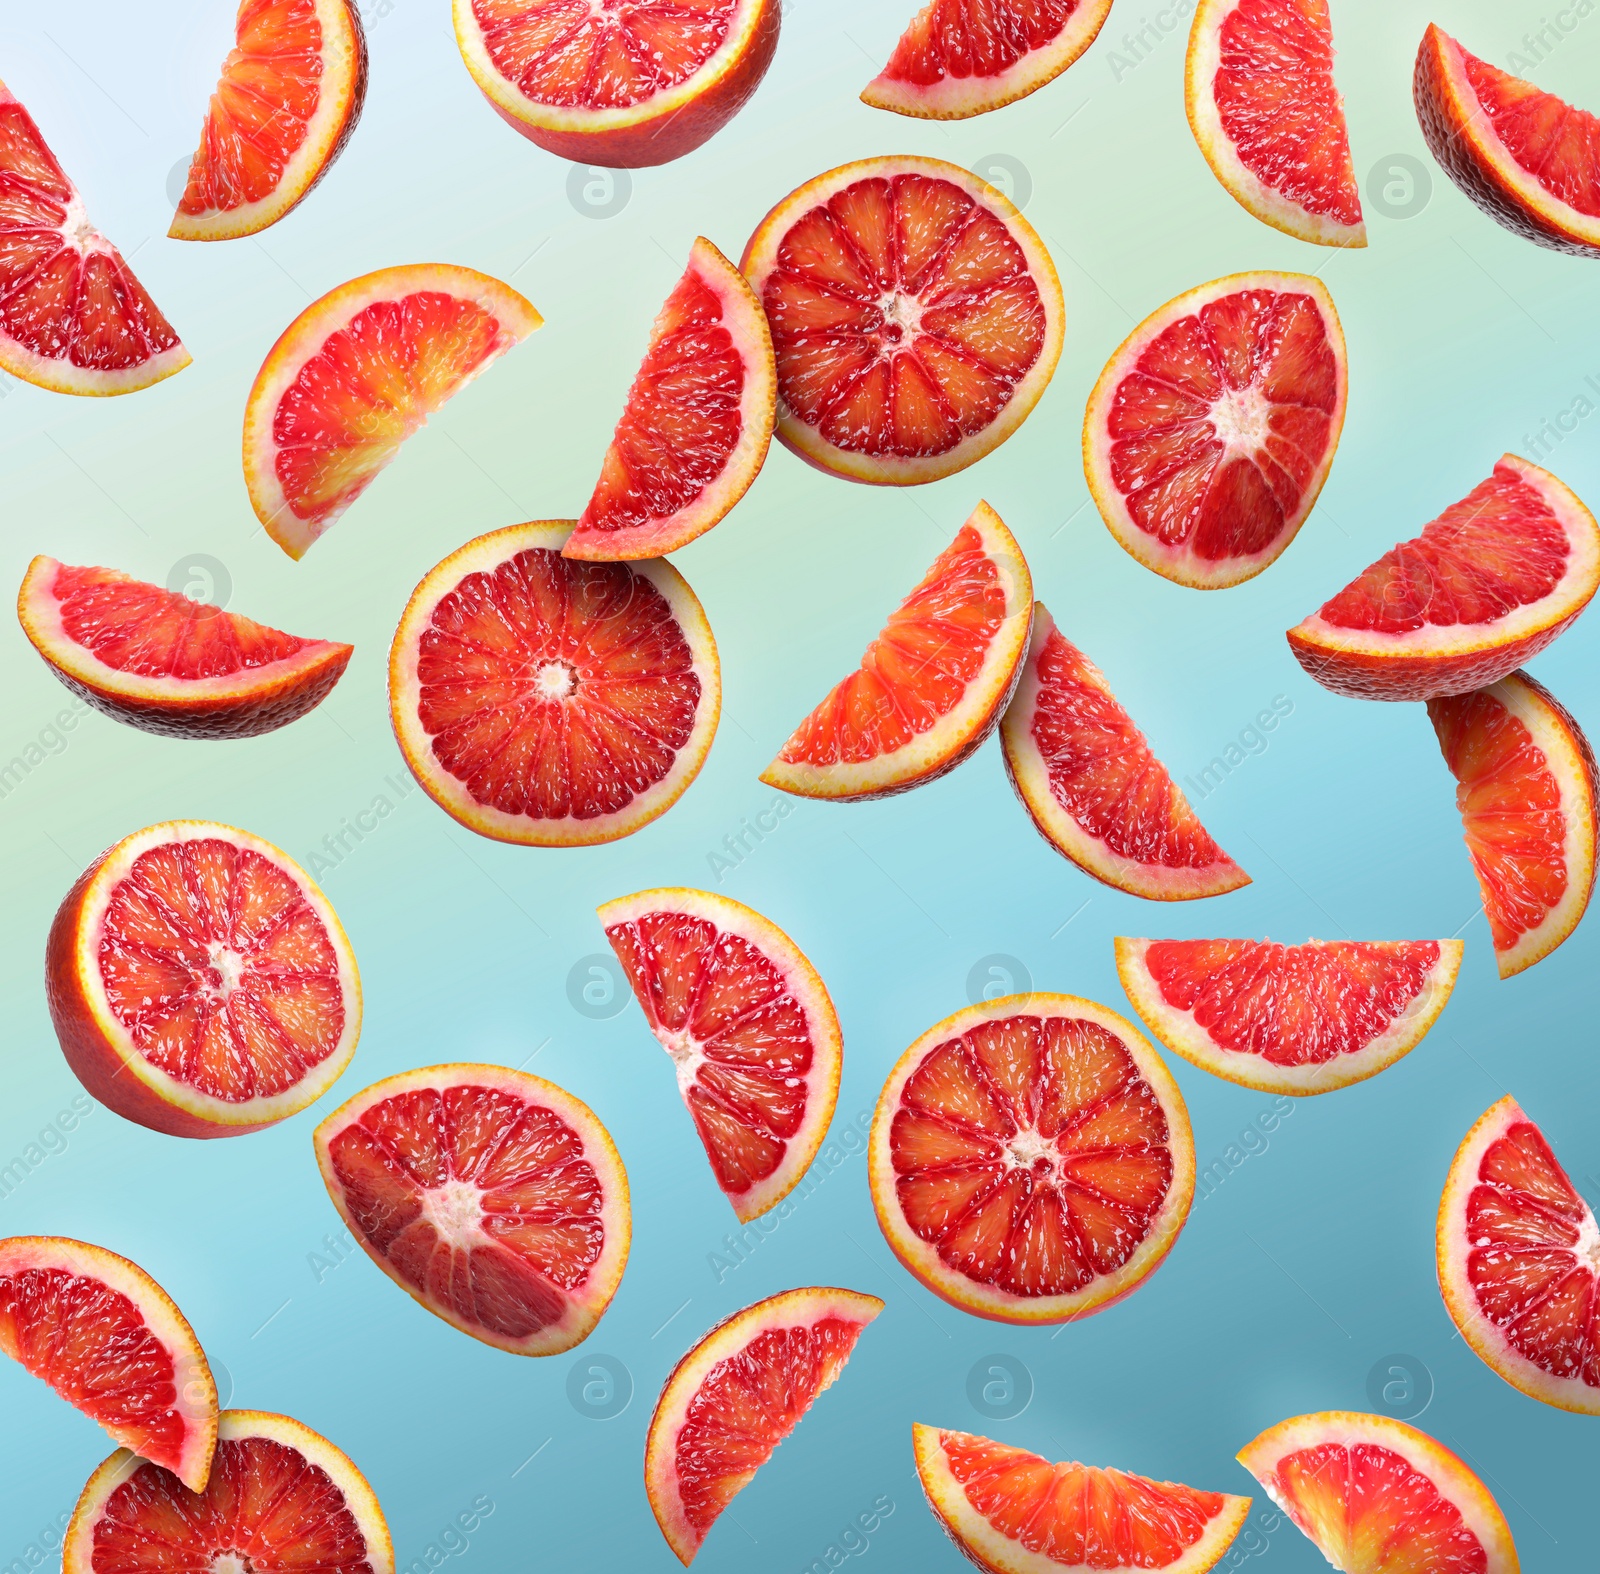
(1485, 587)
(289, 97)
(736, 1395)
(1526, 791)
(1212, 429)
(1263, 107)
(1289, 1019)
(200, 983)
(697, 424)
(1031, 1159)
(749, 1025)
(102, 1333)
(931, 686)
(1519, 1261)
(916, 318)
(354, 375)
(1092, 787)
(550, 702)
(493, 1198)
(1011, 1512)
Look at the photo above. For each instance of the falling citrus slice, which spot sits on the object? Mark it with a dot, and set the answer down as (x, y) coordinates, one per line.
(200, 983)
(1031, 1159)
(102, 1333)
(1377, 1496)
(931, 686)
(158, 661)
(1212, 429)
(1289, 1019)
(289, 97)
(1526, 791)
(1092, 787)
(916, 318)
(1485, 587)
(1011, 1512)
(552, 702)
(1519, 1261)
(1263, 107)
(354, 375)
(736, 1395)
(697, 424)
(750, 1028)
(491, 1197)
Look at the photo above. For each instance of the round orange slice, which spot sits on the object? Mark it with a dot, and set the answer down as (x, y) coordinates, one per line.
(200, 983)
(735, 1396)
(1526, 790)
(750, 1027)
(1031, 1159)
(552, 702)
(1210, 432)
(931, 686)
(354, 375)
(916, 318)
(102, 1333)
(1093, 788)
(1376, 1496)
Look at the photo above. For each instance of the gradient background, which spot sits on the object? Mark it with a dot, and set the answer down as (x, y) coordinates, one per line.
(1308, 1267)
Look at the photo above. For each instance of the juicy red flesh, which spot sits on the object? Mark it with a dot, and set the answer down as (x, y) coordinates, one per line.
(1555, 142)
(975, 38)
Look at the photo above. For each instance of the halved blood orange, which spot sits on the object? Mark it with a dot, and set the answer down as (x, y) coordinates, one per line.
(1093, 788)
(1526, 790)
(931, 686)
(1519, 1261)
(1210, 432)
(750, 1027)
(279, 1498)
(697, 424)
(354, 375)
(1289, 1019)
(1485, 587)
(288, 99)
(158, 661)
(552, 702)
(72, 316)
(1011, 1512)
(493, 1198)
(736, 1395)
(1377, 1496)
(1031, 1159)
(102, 1333)
(200, 983)
(916, 318)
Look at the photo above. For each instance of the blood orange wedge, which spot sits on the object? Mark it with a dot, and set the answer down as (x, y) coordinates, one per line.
(1212, 429)
(200, 983)
(1031, 1159)
(1093, 788)
(749, 1025)
(1377, 1496)
(550, 702)
(1526, 790)
(736, 1395)
(491, 1197)
(354, 375)
(931, 686)
(163, 663)
(1012, 1512)
(289, 97)
(697, 424)
(1289, 1019)
(1485, 587)
(72, 316)
(102, 1333)
(916, 318)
